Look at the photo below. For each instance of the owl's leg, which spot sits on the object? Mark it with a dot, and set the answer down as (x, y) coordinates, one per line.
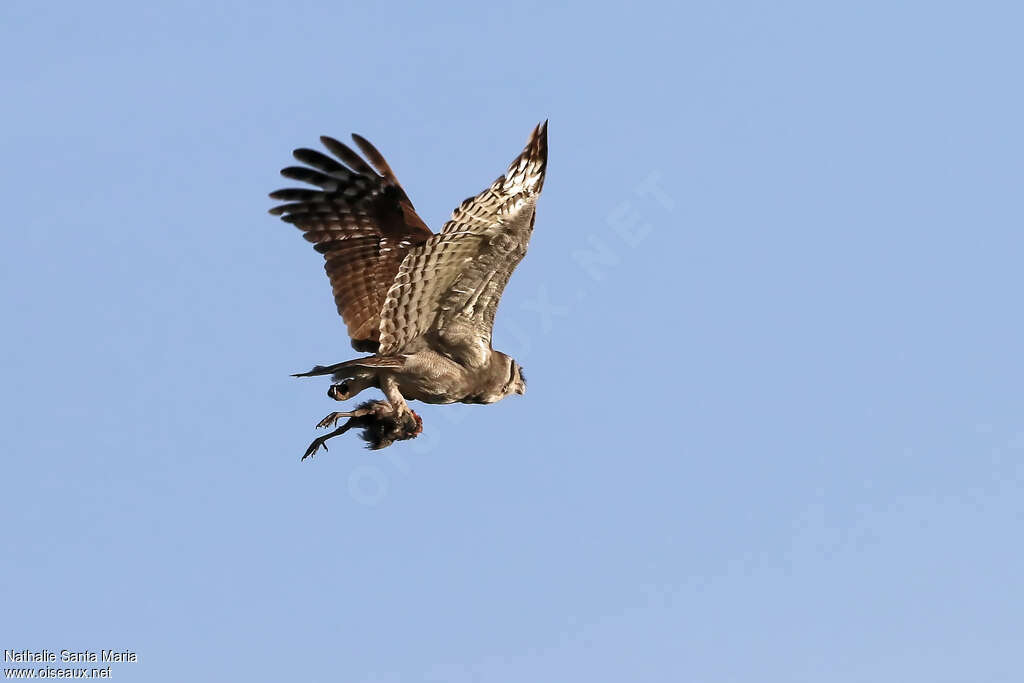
(390, 388)
(346, 389)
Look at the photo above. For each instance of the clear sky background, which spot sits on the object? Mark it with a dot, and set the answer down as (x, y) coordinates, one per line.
(771, 319)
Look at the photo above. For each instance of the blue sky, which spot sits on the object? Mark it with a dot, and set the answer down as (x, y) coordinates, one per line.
(770, 317)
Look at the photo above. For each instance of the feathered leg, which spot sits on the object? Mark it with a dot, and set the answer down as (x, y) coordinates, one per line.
(349, 379)
(389, 386)
(347, 388)
(353, 376)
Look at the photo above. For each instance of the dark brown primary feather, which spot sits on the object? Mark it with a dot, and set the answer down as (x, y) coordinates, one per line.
(361, 220)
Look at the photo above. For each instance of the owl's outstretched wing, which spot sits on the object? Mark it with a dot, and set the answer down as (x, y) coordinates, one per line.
(451, 284)
(363, 223)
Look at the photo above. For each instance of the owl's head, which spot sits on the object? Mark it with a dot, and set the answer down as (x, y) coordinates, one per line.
(505, 378)
(517, 380)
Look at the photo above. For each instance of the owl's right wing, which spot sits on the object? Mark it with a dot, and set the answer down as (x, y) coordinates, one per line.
(363, 223)
(451, 284)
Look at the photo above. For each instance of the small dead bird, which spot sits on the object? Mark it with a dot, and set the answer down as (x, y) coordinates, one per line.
(379, 423)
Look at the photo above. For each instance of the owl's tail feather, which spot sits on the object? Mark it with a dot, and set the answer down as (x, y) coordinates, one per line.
(368, 362)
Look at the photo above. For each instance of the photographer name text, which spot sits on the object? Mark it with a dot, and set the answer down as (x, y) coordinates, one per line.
(44, 656)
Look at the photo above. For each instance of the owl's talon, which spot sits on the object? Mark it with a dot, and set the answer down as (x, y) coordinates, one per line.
(339, 392)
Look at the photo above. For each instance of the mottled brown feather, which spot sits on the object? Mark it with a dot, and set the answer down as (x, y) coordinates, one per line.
(363, 223)
(452, 283)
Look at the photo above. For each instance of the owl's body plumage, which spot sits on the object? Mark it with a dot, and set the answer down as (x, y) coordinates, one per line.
(422, 303)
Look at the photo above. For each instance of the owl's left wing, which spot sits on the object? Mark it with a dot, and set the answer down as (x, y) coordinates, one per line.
(361, 220)
(451, 284)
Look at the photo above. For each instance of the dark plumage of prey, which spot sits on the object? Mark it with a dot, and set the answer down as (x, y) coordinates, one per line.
(423, 304)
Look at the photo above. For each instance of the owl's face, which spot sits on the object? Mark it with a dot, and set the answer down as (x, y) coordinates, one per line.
(512, 382)
(515, 382)
(518, 383)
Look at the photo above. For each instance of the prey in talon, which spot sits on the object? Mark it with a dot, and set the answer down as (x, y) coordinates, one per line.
(421, 303)
(381, 426)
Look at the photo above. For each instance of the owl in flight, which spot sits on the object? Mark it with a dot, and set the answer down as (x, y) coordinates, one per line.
(422, 303)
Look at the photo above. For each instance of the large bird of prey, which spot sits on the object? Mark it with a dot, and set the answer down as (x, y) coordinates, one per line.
(422, 303)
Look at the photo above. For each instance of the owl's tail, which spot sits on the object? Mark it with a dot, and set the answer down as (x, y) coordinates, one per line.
(341, 368)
